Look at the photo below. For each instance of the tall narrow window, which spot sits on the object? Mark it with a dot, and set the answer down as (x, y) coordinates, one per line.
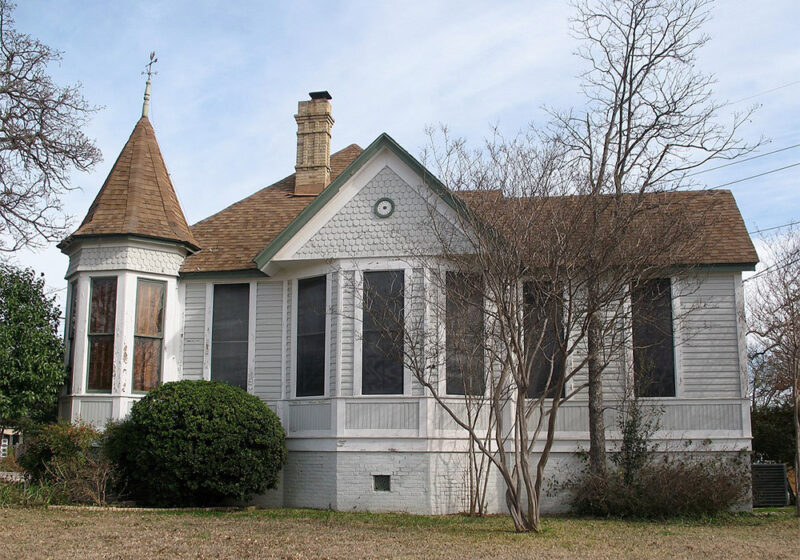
(229, 331)
(102, 317)
(71, 322)
(653, 351)
(544, 338)
(148, 340)
(311, 337)
(464, 335)
(382, 343)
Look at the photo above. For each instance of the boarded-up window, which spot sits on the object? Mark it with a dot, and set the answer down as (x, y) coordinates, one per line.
(653, 352)
(464, 335)
(544, 338)
(102, 317)
(229, 331)
(382, 343)
(148, 340)
(311, 337)
(71, 322)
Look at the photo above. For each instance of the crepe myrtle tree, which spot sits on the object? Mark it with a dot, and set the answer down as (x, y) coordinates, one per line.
(649, 119)
(774, 326)
(41, 139)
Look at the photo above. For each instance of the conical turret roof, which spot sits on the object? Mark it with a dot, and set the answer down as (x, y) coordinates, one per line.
(137, 197)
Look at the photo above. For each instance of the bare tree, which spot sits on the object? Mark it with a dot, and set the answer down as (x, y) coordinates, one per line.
(774, 319)
(41, 140)
(498, 328)
(649, 120)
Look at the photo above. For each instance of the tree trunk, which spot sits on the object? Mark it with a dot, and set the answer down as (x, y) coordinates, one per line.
(597, 427)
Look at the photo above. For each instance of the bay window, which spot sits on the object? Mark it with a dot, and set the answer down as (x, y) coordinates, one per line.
(102, 320)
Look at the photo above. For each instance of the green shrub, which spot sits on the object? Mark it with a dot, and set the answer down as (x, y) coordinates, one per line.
(30, 494)
(197, 443)
(55, 443)
(684, 488)
(68, 459)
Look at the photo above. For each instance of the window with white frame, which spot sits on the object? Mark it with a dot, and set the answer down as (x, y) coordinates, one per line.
(544, 338)
(311, 319)
(102, 320)
(382, 348)
(72, 314)
(653, 341)
(229, 334)
(464, 334)
(148, 338)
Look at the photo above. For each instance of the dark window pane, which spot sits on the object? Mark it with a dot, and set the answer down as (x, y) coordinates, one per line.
(382, 343)
(71, 321)
(653, 355)
(102, 316)
(229, 330)
(311, 337)
(544, 327)
(464, 335)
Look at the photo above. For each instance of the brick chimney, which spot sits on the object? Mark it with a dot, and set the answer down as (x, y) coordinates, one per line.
(314, 122)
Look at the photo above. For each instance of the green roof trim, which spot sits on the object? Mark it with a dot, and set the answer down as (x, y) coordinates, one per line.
(381, 142)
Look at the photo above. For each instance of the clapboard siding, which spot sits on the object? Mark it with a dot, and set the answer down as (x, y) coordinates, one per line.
(348, 333)
(709, 348)
(333, 322)
(267, 359)
(194, 330)
(289, 307)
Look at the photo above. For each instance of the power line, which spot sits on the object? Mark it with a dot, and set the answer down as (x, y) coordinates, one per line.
(743, 160)
(773, 227)
(762, 93)
(755, 176)
(773, 268)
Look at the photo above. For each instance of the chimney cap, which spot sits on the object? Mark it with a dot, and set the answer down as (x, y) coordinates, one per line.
(319, 95)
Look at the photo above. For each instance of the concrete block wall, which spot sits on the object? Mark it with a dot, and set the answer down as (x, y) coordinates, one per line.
(410, 490)
(421, 482)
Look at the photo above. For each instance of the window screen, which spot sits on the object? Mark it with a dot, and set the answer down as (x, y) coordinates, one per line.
(102, 318)
(382, 343)
(229, 330)
(311, 337)
(149, 336)
(544, 326)
(464, 335)
(653, 353)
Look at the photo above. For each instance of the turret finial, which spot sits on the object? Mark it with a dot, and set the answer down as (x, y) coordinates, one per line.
(149, 72)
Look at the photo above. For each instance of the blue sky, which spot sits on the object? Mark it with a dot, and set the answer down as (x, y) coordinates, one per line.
(230, 75)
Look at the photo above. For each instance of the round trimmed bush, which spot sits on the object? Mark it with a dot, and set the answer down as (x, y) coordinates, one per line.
(195, 443)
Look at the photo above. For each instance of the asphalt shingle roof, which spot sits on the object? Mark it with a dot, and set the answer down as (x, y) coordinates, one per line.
(137, 197)
(231, 238)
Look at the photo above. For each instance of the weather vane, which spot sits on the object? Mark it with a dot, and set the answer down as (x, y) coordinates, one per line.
(149, 72)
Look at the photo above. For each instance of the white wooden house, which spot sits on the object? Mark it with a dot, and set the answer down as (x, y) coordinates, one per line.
(153, 300)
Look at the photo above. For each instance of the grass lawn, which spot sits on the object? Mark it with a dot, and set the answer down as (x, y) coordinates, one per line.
(89, 534)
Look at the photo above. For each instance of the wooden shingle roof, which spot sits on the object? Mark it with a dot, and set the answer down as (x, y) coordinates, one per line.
(231, 238)
(137, 198)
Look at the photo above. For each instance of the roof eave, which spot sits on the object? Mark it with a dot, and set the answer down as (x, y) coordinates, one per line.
(381, 142)
(70, 240)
